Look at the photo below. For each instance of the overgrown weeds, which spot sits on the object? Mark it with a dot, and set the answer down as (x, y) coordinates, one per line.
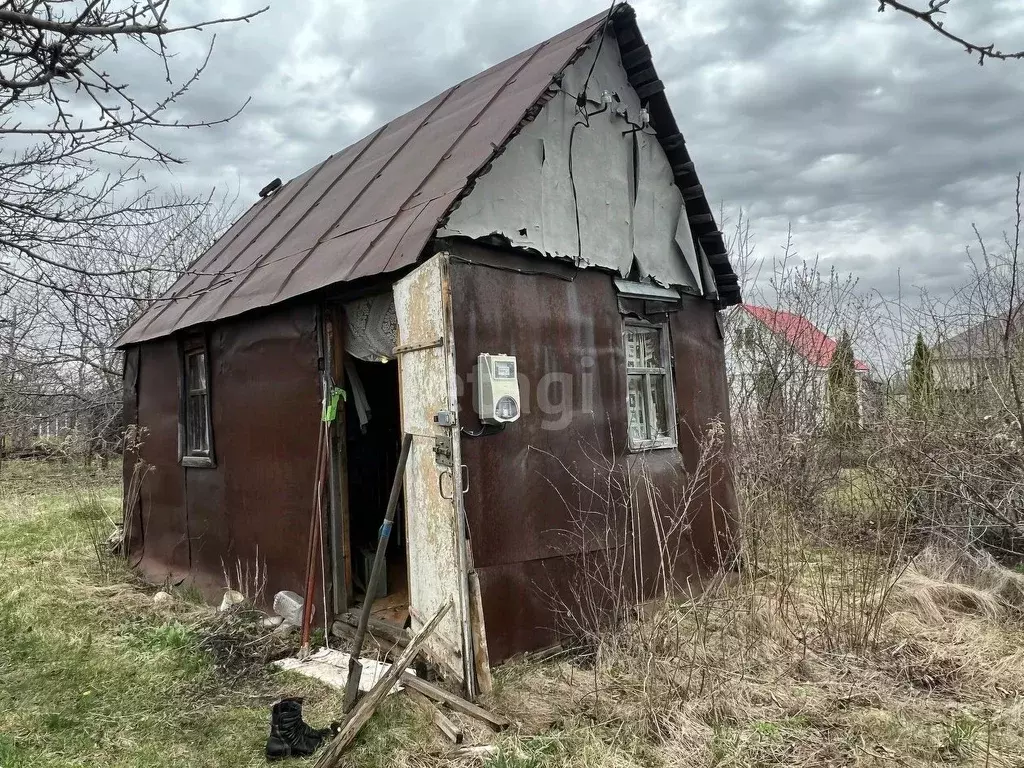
(844, 637)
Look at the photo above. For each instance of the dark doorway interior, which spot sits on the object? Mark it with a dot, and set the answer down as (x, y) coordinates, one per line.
(373, 426)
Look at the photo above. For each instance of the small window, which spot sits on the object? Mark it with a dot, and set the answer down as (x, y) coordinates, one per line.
(196, 436)
(650, 401)
(745, 338)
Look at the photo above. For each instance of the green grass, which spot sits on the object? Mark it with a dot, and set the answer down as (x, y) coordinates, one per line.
(92, 674)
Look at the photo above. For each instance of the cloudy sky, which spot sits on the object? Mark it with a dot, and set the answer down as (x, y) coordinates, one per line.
(880, 142)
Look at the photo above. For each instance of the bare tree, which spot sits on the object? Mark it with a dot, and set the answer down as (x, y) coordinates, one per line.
(62, 377)
(932, 16)
(66, 116)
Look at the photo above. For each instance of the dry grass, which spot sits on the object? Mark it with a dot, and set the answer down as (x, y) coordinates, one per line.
(832, 646)
(816, 654)
(724, 682)
(92, 673)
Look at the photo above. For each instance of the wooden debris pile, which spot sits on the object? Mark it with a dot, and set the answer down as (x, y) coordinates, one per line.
(439, 701)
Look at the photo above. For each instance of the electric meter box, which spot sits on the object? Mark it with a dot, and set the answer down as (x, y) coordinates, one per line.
(497, 388)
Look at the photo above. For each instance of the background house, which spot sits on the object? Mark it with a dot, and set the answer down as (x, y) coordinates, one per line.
(547, 209)
(972, 360)
(778, 365)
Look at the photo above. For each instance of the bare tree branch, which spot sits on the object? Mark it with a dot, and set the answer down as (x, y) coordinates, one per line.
(66, 117)
(932, 16)
(125, 23)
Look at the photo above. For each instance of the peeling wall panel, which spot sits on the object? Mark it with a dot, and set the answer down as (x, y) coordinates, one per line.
(528, 197)
(684, 241)
(659, 209)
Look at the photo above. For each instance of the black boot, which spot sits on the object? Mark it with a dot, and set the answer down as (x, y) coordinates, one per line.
(290, 735)
(277, 747)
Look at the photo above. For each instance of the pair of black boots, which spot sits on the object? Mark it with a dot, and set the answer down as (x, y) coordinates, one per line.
(290, 735)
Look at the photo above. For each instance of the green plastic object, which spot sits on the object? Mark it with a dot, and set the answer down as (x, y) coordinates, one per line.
(331, 404)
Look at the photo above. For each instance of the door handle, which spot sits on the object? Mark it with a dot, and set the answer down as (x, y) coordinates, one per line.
(440, 484)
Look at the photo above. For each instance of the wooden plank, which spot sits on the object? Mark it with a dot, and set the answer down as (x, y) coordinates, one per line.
(380, 648)
(450, 729)
(484, 682)
(364, 710)
(457, 703)
(447, 727)
(341, 569)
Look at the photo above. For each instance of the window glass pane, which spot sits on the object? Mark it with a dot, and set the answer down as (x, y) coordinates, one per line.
(196, 364)
(652, 348)
(196, 425)
(637, 403)
(643, 347)
(633, 354)
(659, 415)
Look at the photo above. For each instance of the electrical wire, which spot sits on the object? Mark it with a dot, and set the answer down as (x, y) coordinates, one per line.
(604, 29)
(575, 198)
(486, 430)
(581, 106)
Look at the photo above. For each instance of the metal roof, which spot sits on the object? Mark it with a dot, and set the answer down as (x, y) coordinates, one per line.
(814, 345)
(982, 341)
(372, 207)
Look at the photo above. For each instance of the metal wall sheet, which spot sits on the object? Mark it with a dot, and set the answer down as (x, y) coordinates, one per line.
(254, 506)
(554, 327)
(165, 547)
(130, 457)
(702, 393)
(527, 502)
(527, 605)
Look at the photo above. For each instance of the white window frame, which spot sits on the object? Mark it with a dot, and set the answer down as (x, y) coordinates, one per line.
(667, 374)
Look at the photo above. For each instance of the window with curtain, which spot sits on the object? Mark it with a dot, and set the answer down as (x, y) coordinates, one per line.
(650, 400)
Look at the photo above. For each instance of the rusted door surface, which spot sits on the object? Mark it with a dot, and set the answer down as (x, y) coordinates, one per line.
(434, 476)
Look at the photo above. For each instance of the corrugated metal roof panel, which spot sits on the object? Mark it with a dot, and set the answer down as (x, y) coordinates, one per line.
(372, 207)
(368, 209)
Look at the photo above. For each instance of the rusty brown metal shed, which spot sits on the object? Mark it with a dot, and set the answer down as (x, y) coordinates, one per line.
(255, 331)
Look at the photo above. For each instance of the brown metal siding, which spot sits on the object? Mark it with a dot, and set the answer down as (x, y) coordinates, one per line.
(255, 504)
(522, 504)
(702, 393)
(165, 548)
(130, 501)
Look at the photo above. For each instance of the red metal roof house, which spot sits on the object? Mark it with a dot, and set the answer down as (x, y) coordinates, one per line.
(778, 365)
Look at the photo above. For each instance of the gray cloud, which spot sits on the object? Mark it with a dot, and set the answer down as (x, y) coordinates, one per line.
(880, 142)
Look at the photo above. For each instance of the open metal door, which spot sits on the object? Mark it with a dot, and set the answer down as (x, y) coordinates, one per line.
(434, 512)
